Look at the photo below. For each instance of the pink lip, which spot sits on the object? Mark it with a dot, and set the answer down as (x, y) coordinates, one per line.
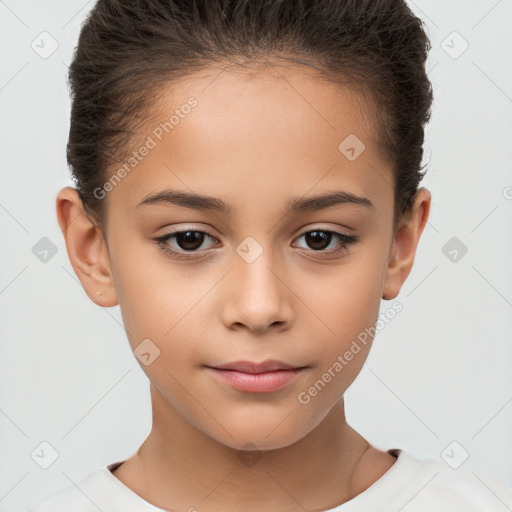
(263, 377)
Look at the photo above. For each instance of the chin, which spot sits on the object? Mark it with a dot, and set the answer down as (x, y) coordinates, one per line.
(258, 443)
(251, 437)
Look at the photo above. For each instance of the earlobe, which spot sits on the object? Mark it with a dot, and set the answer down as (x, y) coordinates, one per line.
(86, 247)
(405, 245)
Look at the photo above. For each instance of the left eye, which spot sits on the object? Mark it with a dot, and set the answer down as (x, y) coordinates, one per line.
(320, 239)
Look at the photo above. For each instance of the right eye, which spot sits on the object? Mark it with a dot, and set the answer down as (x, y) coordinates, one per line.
(188, 241)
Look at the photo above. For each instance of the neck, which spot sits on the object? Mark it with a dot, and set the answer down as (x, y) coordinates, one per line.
(178, 467)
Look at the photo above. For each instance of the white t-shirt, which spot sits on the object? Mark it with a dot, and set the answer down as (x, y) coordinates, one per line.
(410, 485)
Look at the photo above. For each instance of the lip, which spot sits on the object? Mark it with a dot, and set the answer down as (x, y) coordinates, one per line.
(264, 377)
(268, 365)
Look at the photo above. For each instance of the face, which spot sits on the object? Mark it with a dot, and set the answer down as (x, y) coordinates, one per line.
(244, 275)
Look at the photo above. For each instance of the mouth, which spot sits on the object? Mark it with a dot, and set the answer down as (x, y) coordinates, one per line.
(264, 377)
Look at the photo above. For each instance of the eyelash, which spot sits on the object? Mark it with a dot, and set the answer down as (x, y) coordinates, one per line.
(345, 240)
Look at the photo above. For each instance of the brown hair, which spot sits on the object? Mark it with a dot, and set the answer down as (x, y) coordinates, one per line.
(129, 50)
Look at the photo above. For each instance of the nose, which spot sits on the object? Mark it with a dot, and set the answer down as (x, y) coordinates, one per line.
(258, 296)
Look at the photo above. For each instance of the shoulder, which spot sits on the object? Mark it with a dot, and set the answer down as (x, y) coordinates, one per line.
(433, 483)
(89, 494)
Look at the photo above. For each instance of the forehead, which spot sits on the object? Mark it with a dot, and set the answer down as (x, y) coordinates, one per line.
(274, 106)
(257, 133)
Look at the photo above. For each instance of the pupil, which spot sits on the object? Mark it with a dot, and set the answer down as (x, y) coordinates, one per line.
(189, 240)
(318, 237)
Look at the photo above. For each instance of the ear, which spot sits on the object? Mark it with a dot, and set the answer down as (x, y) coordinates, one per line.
(86, 247)
(405, 244)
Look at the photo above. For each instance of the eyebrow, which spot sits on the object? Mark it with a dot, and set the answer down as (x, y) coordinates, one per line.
(296, 205)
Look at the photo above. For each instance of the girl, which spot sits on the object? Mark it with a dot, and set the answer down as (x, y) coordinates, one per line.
(247, 191)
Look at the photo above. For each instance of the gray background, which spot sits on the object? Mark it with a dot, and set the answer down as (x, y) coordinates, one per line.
(439, 373)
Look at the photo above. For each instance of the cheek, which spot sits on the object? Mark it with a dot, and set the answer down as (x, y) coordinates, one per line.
(348, 305)
(152, 296)
(349, 297)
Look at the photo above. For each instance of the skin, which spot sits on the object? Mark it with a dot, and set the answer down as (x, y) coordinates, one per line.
(254, 140)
